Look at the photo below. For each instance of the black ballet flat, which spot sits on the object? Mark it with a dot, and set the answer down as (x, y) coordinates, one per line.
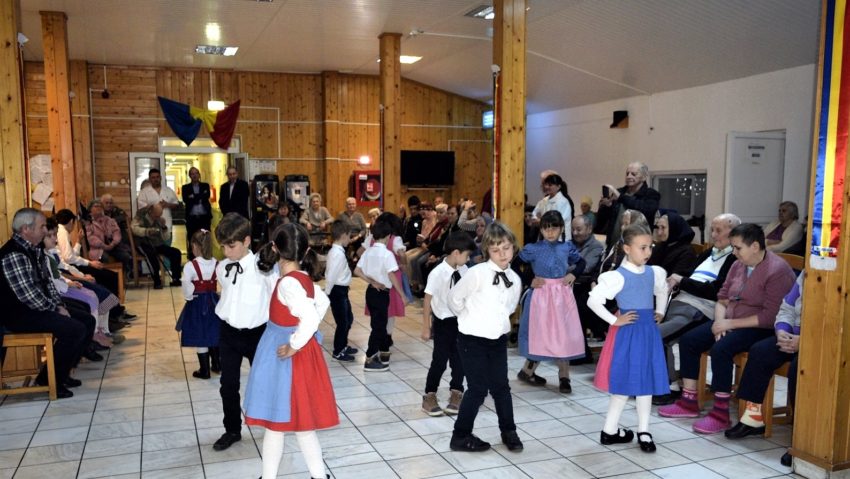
(532, 379)
(646, 446)
(608, 439)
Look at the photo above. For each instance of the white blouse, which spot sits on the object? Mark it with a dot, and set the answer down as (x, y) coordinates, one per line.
(612, 282)
(309, 311)
(207, 267)
(482, 308)
(245, 304)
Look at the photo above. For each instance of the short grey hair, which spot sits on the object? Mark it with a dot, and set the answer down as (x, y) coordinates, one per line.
(95, 202)
(25, 217)
(584, 219)
(728, 218)
(643, 169)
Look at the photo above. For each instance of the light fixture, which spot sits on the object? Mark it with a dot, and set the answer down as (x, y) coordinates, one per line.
(216, 50)
(485, 12)
(213, 32)
(215, 105)
(406, 59)
(364, 160)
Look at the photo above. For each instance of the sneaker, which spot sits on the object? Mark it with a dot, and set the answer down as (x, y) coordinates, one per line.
(374, 365)
(344, 357)
(470, 443)
(430, 405)
(350, 350)
(454, 402)
(385, 356)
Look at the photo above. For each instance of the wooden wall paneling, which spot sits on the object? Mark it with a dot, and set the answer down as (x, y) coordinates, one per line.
(13, 193)
(331, 91)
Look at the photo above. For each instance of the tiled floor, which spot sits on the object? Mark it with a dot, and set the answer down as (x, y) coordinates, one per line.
(143, 415)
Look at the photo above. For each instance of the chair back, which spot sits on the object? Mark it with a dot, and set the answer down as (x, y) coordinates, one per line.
(797, 263)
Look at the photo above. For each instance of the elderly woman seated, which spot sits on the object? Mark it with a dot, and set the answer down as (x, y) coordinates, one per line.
(786, 231)
(105, 238)
(672, 250)
(316, 218)
(746, 308)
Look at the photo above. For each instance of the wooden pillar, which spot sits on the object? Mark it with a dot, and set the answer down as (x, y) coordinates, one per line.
(390, 78)
(56, 80)
(13, 195)
(330, 132)
(80, 127)
(821, 443)
(509, 54)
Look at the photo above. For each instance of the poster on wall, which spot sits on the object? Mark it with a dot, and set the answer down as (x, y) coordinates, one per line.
(41, 179)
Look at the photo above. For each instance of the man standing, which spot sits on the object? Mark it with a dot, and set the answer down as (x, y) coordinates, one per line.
(196, 197)
(150, 231)
(233, 195)
(30, 300)
(157, 193)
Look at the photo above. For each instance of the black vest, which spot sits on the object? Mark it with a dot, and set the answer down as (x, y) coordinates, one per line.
(8, 298)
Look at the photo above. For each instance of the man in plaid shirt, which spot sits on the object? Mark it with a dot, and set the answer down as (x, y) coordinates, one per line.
(31, 302)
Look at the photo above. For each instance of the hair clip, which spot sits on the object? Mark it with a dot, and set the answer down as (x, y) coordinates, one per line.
(206, 232)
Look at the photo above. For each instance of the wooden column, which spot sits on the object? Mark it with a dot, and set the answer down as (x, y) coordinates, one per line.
(56, 80)
(509, 54)
(330, 132)
(821, 443)
(390, 78)
(80, 127)
(13, 175)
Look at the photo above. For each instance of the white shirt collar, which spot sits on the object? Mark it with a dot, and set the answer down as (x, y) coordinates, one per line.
(631, 266)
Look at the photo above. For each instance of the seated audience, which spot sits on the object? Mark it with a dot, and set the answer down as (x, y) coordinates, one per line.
(412, 223)
(591, 250)
(373, 214)
(467, 219)
(282, 217)
(697, 295)
(433, 225)
(614, 254)
(30, 300)
(786, 231)
(151, 235)
(117, 214)
(316, 218)
(746, 308)
(354, 219)
(586, 207)
(672, 250)
(71, 253)
(635, 195)
(105, 238)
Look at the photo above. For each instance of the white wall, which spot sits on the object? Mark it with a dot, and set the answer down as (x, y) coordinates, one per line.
(689, 133)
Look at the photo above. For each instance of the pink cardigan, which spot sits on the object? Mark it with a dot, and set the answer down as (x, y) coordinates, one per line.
(761, 294)
(97, 231)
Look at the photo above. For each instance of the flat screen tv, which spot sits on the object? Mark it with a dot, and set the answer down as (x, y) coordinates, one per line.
(427, 168)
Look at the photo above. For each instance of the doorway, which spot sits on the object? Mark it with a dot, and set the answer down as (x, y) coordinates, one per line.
(755, 174)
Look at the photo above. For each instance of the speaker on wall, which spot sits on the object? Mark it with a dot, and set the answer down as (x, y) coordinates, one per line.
(621, 119)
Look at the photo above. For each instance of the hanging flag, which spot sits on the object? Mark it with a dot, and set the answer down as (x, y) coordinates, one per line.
(832, 130)
(186, 121)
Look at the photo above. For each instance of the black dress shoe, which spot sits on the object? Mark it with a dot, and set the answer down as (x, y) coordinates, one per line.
(786, 459)
(741, 430)
(511, 440)
(175, 283)
(565, 386)
(226, 440)
(470, 443)
(92, 356)
(157, 286)
(128, 316)
(646, 446)
(70, 382)
(608, 439)
(532, 379)
(63, 393)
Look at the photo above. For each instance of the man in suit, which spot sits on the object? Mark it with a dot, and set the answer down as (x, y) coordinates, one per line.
(196, 197)
(233, 195)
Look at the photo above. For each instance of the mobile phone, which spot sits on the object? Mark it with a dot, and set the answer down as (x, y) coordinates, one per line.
(605, 192)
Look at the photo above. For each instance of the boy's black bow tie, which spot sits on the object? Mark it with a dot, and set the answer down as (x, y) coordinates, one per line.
(504, 278)
(230, 266)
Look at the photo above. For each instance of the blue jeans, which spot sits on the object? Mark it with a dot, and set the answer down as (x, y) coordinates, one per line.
(343, 317)
(485, 362)
(701, 339)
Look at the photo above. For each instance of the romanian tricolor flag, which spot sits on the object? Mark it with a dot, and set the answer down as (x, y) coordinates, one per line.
(832, 130)
(186, 121)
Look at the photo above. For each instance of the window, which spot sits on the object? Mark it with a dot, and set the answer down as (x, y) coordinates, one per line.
(683, 192)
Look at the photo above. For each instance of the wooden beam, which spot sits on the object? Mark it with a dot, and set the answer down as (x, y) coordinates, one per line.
(56, 78)
(509, 40)
(390, 78)
(330, 132)
(80, 128)
(821, 442)
(13, 194)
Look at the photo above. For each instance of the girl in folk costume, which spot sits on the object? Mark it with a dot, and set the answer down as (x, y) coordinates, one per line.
(198, 322)
(632, 362)
(289, 388)
(550, 327)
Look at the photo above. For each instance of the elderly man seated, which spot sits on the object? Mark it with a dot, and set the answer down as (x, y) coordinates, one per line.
(105, 238)
(591, 250)
(151, 235)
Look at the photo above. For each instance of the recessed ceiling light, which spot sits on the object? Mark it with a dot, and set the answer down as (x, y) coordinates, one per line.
(216, 50)
(213, 32)
(485, 12)
(406, 59)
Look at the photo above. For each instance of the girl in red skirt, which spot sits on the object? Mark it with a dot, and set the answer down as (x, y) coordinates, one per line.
(289, 388)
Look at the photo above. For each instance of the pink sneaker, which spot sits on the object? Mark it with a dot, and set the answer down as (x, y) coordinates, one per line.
(680, 408)
(713, 423)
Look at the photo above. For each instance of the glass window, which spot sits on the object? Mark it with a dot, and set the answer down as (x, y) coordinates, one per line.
(683, 192)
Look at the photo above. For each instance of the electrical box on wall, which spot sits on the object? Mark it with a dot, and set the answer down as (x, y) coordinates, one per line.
(367, 187)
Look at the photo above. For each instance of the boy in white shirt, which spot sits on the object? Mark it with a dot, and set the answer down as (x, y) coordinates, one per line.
(244, 311)
(337, 280)
(484, 300)
(375, 267)
(443, 328)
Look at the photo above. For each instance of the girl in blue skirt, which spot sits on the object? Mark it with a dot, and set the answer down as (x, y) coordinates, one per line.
(198, 322)
(637, 366)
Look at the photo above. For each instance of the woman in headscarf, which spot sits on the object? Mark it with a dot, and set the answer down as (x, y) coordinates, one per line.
(672, 250)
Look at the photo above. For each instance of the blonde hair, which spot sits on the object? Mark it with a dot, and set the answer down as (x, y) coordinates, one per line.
(494, 234)
(316, 195)
(441, 208)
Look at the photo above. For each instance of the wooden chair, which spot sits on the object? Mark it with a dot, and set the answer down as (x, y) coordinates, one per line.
(703, 390)
(25, 363)
(139, 256)
(700, 248)
(780, 415)
(797, 263)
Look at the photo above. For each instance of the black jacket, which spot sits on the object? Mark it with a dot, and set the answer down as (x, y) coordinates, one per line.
(644, 200)
(190, 199)
(237, 202)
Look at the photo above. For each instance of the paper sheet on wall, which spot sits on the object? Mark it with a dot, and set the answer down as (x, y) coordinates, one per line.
(42, 193)
(47, 205)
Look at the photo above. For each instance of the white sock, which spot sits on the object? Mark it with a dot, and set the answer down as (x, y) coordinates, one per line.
(308, 442)
(644, 407)
(202, 350)
(272, 452)
(615, 409)
(103, 322)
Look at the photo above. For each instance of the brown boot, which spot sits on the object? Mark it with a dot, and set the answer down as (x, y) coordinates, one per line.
(454, 402)
(430, 405)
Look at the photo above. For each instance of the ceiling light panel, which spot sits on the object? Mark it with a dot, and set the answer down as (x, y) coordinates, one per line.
(216, 50)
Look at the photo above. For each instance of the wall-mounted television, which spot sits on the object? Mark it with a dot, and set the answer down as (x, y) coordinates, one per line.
(427, 168)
